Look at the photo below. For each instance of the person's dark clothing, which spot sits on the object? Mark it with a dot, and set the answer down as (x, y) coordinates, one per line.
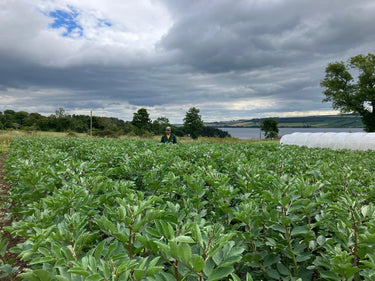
(172, 138)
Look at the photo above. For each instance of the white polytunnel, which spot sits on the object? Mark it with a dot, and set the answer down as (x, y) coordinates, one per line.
(358, 141)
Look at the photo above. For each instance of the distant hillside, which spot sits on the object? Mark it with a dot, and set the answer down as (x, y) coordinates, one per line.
(321, 121)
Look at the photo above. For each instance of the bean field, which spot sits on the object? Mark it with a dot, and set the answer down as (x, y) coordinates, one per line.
(97, 209)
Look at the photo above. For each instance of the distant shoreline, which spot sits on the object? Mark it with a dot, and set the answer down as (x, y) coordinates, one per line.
(321, 121)
(284, 126)
(255, 133)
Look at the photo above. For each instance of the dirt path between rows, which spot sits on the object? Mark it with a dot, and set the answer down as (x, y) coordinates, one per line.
(6, 220)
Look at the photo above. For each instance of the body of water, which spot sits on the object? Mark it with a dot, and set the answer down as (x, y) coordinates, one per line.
(253, 133)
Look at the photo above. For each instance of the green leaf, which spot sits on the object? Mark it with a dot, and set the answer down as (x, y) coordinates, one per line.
(99, 250)
(278, 228)
(223, 240)
(328, 275)
(29, 275)
(198, 263)
(138, 273)
(42, 260)
(299, 230)
(196, 233)
(125, 266)
(142, 264)
(320, 240)
(141, 269)
(79, 271)
(56, 250)
(94, 277)
(248, 277)
(7, 269)
(43, 275)
(173, 249)
(153, 270)
(286, 220)
(283, 269)
(303, 257)
(209, 267)
(184, 251)
(184, 239)
(164, 276)
(154, 261)
(285, 200)
(273, 273)
(44, 251)
(106, 271)
(220, 273)
(235, 277)
(312, 244)
(61, 278)
(271, 259)
(218, 257)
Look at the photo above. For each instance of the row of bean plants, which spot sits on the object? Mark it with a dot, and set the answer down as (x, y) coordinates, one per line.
(96, 209)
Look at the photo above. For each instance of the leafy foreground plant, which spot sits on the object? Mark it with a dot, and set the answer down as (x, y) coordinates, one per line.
(140, 210)
(6, 268)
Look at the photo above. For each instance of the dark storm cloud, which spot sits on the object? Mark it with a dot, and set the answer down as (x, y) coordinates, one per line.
(137, 85)
(237, 35)
(230, 58)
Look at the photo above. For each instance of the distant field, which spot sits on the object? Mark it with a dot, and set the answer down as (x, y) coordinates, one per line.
(7, 136)
(325, 121)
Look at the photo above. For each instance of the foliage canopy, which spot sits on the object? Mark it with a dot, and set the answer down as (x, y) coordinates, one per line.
(193, 122)
(350, 94)
(270, 128)
(97, 209)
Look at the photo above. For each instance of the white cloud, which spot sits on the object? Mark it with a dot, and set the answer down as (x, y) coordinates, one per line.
(238, 59)
(136, 27)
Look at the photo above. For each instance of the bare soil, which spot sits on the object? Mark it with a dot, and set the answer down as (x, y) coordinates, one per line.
(6, 220)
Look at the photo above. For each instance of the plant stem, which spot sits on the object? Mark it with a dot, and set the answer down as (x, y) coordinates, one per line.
(287, 234)
(355, 225)
(90, 224)
(251, 240)
(130, 242)
(309, 220)
(355, 250)
(176, 270)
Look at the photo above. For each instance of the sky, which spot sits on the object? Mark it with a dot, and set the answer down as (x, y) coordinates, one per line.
(236, 59)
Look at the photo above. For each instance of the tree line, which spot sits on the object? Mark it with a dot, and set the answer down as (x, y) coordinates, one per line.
(141, 125)
(193, 125)
(350, 86)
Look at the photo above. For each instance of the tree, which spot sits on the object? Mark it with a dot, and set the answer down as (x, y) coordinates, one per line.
(2, 119)
(213, 132)
(270, 128)
(60, 112)
(16, 126)
(20, 117)
(349, 94)
(159, 125)
(9, 118)
(193, 123)
(63, 124)
(141, 119)
(43, 124)
(32, 119)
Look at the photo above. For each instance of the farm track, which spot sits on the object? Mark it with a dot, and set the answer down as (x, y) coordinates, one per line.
(6, 220)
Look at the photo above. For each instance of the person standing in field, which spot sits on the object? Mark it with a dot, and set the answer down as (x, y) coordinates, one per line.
(168, 136)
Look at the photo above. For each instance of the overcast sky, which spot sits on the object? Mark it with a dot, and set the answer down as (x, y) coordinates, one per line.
(232, 59)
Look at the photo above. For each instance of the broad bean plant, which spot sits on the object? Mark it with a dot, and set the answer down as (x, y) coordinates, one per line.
(99, 209)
